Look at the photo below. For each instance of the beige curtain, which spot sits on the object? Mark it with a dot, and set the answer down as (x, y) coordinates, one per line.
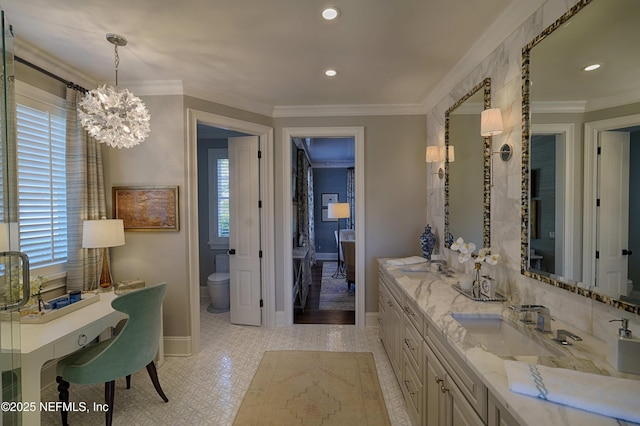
(85, 197)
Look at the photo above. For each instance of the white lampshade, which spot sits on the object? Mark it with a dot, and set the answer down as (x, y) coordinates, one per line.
(452, 155)
(491, 122)
(102, 233)
(433, 154)
(338, 211)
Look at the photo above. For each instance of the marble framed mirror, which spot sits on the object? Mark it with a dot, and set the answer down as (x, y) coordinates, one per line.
(467, 195)
(580, 135)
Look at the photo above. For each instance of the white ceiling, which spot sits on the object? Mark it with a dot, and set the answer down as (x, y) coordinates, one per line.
(269, 53)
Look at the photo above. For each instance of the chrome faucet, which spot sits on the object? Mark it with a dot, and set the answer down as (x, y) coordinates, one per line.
(562, 335)
(543, 323)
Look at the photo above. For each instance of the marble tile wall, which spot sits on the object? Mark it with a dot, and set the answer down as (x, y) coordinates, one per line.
(504, 67)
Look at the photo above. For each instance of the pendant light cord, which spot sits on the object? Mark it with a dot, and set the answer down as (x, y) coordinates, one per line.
(117, 61)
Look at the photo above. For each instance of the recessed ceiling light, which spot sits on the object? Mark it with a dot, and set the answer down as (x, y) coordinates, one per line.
(330, 13)
(591, 67)
(331, 73)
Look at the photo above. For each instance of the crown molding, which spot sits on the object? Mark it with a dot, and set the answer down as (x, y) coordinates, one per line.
(558, 107)
(42, 59)
(228, 99)
(504, 25)
(154, 87)
(347, 110)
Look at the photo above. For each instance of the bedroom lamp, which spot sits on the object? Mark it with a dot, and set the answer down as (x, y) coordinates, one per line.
(102, 234)
(339, 211)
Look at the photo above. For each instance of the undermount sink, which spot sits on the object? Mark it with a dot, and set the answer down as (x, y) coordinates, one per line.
(499, 337)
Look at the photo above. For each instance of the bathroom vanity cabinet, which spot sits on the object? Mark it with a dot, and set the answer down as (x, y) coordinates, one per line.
(438, 387)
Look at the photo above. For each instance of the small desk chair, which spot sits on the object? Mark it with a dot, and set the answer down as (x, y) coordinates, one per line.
(133, 348)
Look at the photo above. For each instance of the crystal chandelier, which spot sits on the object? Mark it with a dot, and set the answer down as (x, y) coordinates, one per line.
(115, 116)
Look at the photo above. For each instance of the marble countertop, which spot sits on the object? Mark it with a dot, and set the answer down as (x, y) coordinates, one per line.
(434, 294)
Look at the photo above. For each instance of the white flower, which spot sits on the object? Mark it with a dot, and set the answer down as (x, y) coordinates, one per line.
(463, 257)
(492, 259)
(456, 246)
(467, 248)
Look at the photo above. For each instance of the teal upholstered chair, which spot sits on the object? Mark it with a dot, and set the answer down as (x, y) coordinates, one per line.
(133, 348)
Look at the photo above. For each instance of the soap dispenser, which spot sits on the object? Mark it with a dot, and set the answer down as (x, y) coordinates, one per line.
(624, 354)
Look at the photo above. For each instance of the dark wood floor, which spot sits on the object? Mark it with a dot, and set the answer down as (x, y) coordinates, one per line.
(313, 315)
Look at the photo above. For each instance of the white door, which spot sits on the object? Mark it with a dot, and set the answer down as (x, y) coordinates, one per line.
(612, 226)
(244, 231)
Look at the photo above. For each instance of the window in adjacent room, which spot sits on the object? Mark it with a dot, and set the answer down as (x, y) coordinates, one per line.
(42, 206)
(218, 198)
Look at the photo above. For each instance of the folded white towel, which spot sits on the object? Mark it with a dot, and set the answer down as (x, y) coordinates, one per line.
(609, 396)
(406, 261)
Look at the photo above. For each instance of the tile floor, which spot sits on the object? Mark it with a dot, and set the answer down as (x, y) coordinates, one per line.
(207, 388)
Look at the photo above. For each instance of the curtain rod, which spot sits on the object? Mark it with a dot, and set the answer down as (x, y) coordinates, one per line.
(50, 74)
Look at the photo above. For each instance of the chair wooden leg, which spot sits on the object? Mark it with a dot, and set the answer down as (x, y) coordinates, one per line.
(153, 374)
(129, 381)
(109, 394)
(63, 396)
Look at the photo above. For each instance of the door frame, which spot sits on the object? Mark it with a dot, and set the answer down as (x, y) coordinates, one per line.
(591, 131)
(267, 231)
(357, 133)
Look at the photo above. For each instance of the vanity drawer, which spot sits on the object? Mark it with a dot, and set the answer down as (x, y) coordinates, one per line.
(413, 390)
(76, 340)
(474, 391)
(413, 313)
(393, 288)
(412, 344)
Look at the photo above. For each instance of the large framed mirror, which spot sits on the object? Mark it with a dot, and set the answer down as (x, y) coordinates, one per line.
(580, 138)
(467, 195)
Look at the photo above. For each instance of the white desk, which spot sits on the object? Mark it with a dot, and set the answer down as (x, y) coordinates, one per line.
(57, 338)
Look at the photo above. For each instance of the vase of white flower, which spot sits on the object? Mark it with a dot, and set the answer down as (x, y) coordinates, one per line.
(465, 250)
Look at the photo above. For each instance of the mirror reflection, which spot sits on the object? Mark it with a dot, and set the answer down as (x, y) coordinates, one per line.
(580, 138)
(467, 196)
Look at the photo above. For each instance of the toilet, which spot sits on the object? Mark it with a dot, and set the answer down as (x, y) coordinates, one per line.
(218, 285)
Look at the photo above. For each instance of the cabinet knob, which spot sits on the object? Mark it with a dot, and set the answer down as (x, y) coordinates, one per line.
(82, 339)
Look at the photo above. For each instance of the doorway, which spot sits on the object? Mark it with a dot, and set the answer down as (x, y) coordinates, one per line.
(323, 174)
(289, 135)
(266, 233)
(611, 185)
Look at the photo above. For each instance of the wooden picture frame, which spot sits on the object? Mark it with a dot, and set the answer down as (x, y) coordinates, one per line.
(147, 208)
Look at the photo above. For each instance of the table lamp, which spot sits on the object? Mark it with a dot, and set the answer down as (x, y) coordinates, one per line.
(103, 233)
(339, 211)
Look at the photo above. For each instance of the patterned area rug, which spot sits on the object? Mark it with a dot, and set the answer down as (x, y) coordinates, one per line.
(314, 388)
(334, 292)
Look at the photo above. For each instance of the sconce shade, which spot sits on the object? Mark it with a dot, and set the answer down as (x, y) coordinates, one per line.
(491, 122)
(452, 154)
(433, 154)
(102, 233)
(338, 210)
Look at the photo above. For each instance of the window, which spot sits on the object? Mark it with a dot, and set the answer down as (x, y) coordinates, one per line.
(218, 198)
(42, 205)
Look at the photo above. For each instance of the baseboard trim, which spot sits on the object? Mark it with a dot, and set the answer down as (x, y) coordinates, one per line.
(280, 319)
(177, 346)
(371, 319)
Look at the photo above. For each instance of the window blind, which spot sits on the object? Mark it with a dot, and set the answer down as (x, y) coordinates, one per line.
(41, 185)
(223, 197)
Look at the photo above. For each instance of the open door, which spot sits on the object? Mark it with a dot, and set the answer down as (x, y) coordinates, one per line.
(244, 231)
(612, 226)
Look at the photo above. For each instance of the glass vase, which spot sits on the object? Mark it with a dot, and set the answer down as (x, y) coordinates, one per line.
(475, 289)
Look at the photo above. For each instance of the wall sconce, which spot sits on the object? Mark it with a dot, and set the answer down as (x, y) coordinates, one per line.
(491, 125)
(436, 154)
